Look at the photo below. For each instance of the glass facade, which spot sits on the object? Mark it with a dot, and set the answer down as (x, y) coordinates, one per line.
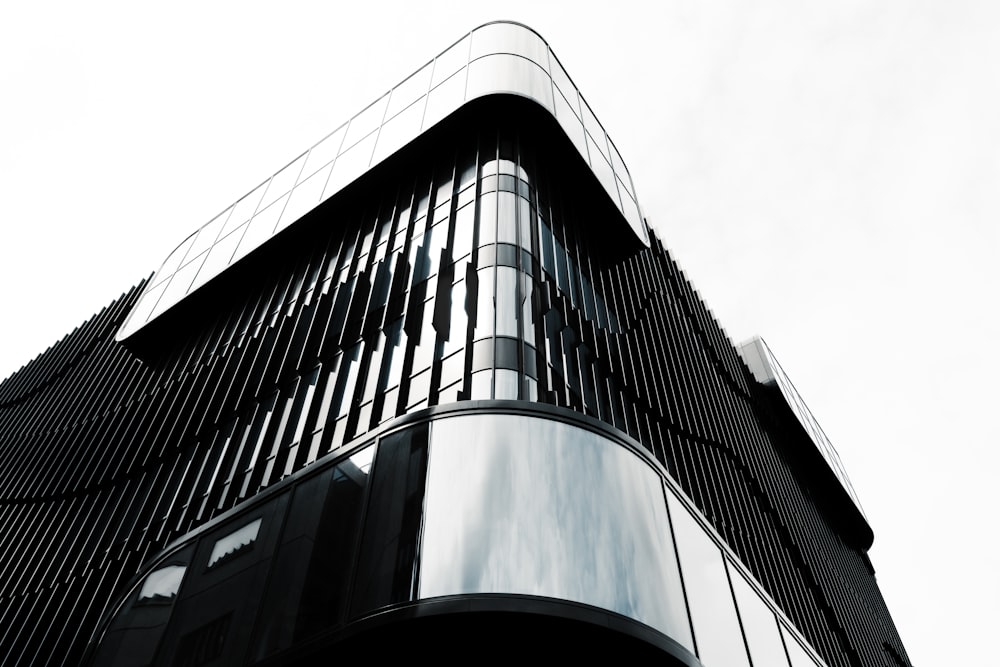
(497, 58)
(481, 504)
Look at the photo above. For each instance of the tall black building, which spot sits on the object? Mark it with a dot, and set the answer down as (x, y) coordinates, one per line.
(433, 388)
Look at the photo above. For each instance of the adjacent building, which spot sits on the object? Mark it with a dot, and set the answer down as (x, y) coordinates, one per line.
(432, 388)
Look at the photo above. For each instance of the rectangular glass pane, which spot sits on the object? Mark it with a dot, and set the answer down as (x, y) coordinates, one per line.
(244, 209)
(282, 182)
(451, 61)
(305, 197)
(444, 99)
(324, 152)
(365, 122)
(350, 165)
(260, 228)
(760, 627)
(398, 131)
(710, 600)
(208, 234)
(408, 92)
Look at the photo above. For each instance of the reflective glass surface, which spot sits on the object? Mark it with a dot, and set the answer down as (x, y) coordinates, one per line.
(469, 504)
(497, 57)
(163, 583)
(713, 611)
(760, 626)
(537, 507)
(231, 544)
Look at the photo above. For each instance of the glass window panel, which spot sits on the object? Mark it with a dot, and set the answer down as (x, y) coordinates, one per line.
(453, 368)
(597, 133)
(508, 38)
(178, 286)
(490, 181)
(488, 219)
(260, 228)
(467, 173)
(506, 300)
(571, 125)
(324, 152)
(524, 223)
(435, 240)
(235, 543)
(444, 99)
(759, 624)
(451, 61)
(527, 312)
(282, 182)
(208, 234)
(163, 583)
(459, 322)
(173, 260)
(562, 80)
(484, 304)
(498, 520)
(710, 600)
(481, 388)
(303, 408)
(311, 575)
(799, 656)
(395, 350)
(145, 306)
(548, 249)
(604, 174)
(244, 209)
(305, 197)
(411, 90)
(506, 73)
(530, 389)
(507, 218)
(399, 131)
(620, 170)
(386, 569)
(350, 165)
(346, 380)
(420, 386)
(365, 122)
(506, 384)
(218, 259)
(464, 226)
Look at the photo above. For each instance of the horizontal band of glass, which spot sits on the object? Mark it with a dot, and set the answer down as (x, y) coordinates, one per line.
(497, 58)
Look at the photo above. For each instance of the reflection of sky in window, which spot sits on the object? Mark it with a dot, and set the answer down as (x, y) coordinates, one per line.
(164, 582)
(534, 507)
(233, 541)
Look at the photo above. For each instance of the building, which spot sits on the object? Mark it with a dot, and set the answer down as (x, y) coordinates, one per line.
(431, 388)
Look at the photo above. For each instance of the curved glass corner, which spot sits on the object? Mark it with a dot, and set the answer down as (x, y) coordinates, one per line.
(496, 58)
(475, 508)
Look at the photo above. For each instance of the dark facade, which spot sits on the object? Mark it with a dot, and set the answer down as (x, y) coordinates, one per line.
(449, 396)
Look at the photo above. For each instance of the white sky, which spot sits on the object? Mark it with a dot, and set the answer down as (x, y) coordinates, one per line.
(826, 173)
